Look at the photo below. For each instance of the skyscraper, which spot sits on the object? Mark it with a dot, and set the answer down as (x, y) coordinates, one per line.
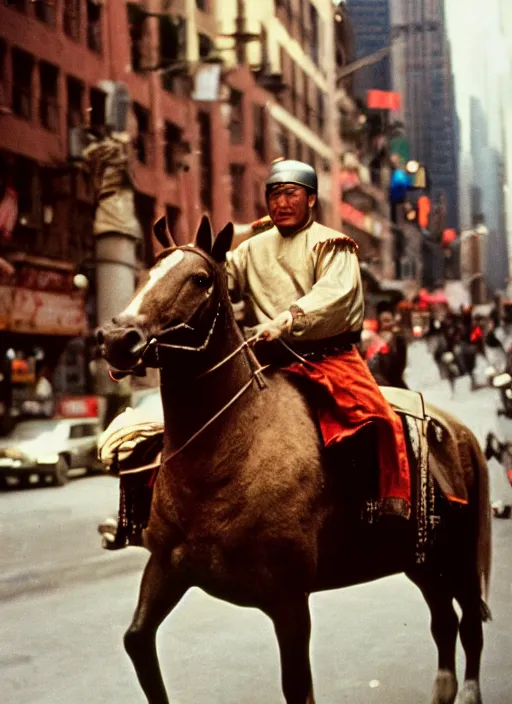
(421, 72)
(371, 22)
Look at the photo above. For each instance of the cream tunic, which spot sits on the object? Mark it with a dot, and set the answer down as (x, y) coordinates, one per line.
(316, 269)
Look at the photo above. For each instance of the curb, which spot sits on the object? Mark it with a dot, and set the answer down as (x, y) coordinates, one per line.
(50, 577)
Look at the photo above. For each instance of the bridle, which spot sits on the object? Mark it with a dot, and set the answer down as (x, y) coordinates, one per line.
(155, 342)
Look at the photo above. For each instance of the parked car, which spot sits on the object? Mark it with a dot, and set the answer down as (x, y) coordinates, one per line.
(49, 448)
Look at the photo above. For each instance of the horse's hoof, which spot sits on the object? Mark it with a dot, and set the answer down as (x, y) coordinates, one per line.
(470, 693)
(445, 688)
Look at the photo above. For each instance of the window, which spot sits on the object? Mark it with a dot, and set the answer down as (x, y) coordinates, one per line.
(22, 68)
(205, 159)
(236, 125)
(320, 110)
(237, 173)
(75, 92)
(71, 18)
(143, 138)
(314, 21)
(97, 100)
(259, 122)
(48, 104)
(94, 39)
(3, 93)
(307, 106)
(173, 146)
(293, 88)
(172, 39)
(20, 5)
(45, 11)
(205, 45)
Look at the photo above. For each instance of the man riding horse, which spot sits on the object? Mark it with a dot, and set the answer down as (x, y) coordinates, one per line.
(301, 283)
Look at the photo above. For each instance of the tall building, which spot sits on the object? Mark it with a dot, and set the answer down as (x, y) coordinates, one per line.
(487, 197)
(421, 68)
(506, 114)
(372, 27)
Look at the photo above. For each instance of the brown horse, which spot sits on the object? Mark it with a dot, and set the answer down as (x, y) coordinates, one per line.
(247, 505)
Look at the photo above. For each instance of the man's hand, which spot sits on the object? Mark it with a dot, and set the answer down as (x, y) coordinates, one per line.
(274, 328)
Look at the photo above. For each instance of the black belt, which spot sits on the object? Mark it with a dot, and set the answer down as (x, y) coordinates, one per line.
(277, 355)
(327, 346)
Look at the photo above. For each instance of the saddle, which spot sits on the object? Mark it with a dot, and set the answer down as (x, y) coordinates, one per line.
(132, 446)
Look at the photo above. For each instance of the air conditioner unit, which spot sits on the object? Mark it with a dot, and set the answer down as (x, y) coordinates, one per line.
(117, 104)
(77, 141)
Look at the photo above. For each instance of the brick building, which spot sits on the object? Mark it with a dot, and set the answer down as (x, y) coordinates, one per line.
(69, 68)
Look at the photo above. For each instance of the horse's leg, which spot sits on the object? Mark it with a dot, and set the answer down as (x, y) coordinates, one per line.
(292, 624)
(471, 635)
(444, 627)
(158, 596)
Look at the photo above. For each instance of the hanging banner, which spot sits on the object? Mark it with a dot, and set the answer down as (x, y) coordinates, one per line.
(383, 100)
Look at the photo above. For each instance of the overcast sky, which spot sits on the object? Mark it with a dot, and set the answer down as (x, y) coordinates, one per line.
(477, 58)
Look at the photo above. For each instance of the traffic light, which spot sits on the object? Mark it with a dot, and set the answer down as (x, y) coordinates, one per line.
(423, 210)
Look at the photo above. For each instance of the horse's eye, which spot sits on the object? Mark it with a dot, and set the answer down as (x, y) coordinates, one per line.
(202, 280)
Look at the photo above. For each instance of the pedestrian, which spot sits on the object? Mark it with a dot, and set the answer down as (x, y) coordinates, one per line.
(386, 351)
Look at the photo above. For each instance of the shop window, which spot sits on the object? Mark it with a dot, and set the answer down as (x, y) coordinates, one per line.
(97, 103)
(22, 68)
(75, 93)
(143, 139)
(71, 18)
(48, 103)
(205, 159)
(173, 148)
(259, 122)
(237, 173)
(94, 36)
(45, 11)
(236, 124)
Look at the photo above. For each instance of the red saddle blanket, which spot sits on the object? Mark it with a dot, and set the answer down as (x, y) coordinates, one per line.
(358, 401)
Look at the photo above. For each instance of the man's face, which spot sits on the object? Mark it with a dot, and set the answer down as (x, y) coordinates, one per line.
(289, 206)
(386, 321)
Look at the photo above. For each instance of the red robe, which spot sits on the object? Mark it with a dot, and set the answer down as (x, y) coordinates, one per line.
(359, 401)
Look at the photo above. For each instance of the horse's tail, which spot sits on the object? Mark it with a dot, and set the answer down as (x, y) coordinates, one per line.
(484, 519)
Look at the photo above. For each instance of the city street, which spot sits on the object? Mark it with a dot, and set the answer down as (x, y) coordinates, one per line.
(65, 603)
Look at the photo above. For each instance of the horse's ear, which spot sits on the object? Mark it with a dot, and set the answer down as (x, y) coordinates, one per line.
(223, 243)
(162, 233)
(204, 235)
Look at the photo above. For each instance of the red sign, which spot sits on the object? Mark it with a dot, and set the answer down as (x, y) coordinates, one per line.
(78, 407)
(383, 100)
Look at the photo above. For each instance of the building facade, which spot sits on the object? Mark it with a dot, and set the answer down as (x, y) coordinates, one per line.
(422, 74)
(372, 27)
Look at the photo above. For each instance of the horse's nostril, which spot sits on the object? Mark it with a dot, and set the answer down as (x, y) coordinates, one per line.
(100, 337)
(134, 340)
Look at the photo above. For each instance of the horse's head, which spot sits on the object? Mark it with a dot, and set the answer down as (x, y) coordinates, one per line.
(177, 306)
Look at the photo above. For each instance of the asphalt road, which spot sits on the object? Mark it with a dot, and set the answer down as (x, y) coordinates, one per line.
(65, 603)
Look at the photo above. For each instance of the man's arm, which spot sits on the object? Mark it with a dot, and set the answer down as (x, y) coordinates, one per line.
(335, 303)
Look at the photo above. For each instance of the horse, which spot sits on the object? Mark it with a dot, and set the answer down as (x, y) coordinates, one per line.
(248, 505)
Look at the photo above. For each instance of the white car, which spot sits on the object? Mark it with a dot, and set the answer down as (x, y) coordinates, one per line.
(50, 449)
